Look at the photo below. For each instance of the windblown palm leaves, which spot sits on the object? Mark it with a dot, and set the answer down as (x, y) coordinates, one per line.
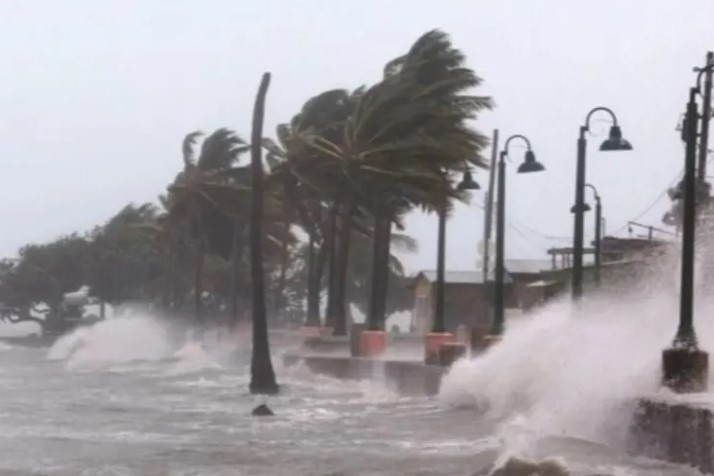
(392, 146)
(204, 191)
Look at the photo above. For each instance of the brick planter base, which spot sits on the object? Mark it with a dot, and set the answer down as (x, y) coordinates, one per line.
(372, 343)
(450, 352)
(432, 344)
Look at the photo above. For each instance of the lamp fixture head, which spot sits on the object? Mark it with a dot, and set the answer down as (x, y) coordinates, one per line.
(530, 164)
(468, 182)
(615, 141)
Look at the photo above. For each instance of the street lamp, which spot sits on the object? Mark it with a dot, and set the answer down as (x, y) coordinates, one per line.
(530, 164)
(598, 231)
(438, 333)
(684, 365)
(614, 142)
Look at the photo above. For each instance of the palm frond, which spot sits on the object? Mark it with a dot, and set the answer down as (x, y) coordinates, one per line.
(187, 147)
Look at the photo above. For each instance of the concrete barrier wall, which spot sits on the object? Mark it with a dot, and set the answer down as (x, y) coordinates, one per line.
(675, 432)
(407, 378)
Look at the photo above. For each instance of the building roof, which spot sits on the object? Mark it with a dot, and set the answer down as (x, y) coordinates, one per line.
(460, 277)
(528, 266)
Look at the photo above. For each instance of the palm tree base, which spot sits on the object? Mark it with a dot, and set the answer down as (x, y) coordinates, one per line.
(432, 345)
(372, 343)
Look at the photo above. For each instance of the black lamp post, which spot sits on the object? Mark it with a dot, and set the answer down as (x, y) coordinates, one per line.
(598, 231)
(612, 143)
(684, 365)
(530, 164)
(438, 324)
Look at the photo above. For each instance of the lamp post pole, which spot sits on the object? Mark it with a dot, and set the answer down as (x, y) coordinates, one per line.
(706, 117)
(438, 334)
(598, 232)
(438, 326)
(614, 142)
(684, 366)
(499, 291)
(598, 239)
(685, 334)
(577, 278)
(529, 165)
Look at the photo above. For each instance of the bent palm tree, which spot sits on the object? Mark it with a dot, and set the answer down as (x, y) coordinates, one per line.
(403, 138)
(262, 375)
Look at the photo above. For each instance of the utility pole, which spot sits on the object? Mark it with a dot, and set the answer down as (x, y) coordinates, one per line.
(488, 215)
(705, 221)
(706, 116)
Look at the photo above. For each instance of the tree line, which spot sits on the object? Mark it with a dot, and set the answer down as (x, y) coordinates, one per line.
(321, 214)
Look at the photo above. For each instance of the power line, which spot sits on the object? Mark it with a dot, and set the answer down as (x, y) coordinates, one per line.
(651, 205)
(541, 234)
(659, 197)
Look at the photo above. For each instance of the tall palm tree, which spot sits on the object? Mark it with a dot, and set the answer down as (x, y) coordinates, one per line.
(262, 375)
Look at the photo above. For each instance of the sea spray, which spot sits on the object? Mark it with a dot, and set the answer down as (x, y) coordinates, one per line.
(576, 370)
(113, 341)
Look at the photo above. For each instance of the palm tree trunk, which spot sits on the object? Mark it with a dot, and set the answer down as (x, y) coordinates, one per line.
(380, 271)
(278, 298)
(198, 281)
(313, 285)
(262, 375)
(331, 244)
(342, 262)
(384, 269)
(169, 274)
(236, 256)
(373, 320)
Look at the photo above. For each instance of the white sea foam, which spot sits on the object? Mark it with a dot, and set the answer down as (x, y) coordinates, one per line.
(113, 341)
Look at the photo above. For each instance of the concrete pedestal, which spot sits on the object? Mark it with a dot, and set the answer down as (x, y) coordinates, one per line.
(432, 344)
(450, 352)
(685, 370)
(372, 343)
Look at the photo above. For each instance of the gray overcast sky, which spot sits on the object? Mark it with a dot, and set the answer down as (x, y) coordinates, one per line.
(95, 97)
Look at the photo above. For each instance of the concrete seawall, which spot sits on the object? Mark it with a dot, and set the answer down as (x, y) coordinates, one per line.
(678, 431)
(407, 378)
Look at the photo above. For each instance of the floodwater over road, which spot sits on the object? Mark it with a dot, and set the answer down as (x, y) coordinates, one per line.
(120, 399)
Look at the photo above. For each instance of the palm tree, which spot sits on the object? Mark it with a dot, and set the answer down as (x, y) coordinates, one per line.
(403, 138)
(262, 375)
(204, 188)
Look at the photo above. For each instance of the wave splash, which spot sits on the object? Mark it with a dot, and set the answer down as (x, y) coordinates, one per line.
(575, 371)
(130, 339)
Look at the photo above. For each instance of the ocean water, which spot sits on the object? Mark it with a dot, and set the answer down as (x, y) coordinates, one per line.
(131, 396)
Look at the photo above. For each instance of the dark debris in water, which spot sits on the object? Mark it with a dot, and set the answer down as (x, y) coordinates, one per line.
(262, 410)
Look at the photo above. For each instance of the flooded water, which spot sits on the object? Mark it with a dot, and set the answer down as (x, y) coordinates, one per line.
(121, 399)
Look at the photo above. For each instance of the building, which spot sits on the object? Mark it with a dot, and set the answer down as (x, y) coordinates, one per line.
(468, 300)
